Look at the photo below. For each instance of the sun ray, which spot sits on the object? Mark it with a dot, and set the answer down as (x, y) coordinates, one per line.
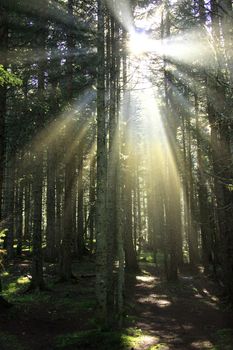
(29, 55)
(122, 11)
(63, 123)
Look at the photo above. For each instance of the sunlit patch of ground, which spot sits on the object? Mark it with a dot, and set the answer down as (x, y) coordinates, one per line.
(145, 279)
(202, 344)
(153, 299)
(147, 341)
(163, 303)
(159, 347)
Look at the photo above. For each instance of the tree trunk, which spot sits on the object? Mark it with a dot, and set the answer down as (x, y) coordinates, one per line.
(81, 241)
(9, 203)
(37, 281)
(50, 234)
(101, 244)
(92, 203)
(19, 213)
(3, 61)
(69, 216)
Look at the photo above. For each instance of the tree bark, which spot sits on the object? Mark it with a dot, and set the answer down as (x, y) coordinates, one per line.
(101, 242)
(3, 61)
(50, 234)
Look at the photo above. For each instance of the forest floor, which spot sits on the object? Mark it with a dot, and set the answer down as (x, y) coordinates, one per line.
(184, 315)
(159, 315)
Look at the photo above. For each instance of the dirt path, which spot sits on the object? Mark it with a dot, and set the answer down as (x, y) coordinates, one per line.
(186, 315)
(183, 315)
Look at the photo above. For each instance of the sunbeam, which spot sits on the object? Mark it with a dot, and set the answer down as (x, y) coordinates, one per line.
(30, 55)
(122, 11)
(64, 122)
(194, 48)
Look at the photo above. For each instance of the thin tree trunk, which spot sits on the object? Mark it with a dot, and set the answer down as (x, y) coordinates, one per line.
(50, 234)
(92, 203)
(19, 211)
(81, 241)
(3, 61)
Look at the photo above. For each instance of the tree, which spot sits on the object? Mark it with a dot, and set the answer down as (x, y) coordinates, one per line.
(101, 248)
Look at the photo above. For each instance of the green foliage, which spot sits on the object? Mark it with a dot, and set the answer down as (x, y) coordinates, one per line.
(96, 339)
(10, 342)
(230, 187)
(2, 236)
(8, 78)
(147, 257)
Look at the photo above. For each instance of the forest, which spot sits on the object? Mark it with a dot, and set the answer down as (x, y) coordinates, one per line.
(116, 174)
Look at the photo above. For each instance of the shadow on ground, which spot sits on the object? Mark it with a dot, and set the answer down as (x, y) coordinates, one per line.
(183, 315)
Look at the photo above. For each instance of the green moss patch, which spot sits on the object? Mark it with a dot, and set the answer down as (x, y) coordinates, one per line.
(102, 340)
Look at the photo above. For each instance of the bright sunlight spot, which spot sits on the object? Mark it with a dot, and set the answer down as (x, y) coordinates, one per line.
(140, 43)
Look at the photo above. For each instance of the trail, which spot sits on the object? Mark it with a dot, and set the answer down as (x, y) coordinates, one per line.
(183, 315)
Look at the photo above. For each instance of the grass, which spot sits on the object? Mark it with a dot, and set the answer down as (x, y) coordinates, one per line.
(100, 340)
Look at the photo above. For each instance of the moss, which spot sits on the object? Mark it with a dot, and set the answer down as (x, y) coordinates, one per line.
(13, 286)
(160, 346)
(96, 339)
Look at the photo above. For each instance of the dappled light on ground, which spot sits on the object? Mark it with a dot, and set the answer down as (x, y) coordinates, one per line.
(163, 303)
(174, 313)
(204, 344)
(147, 340)
(160, 316)
(145, 279)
